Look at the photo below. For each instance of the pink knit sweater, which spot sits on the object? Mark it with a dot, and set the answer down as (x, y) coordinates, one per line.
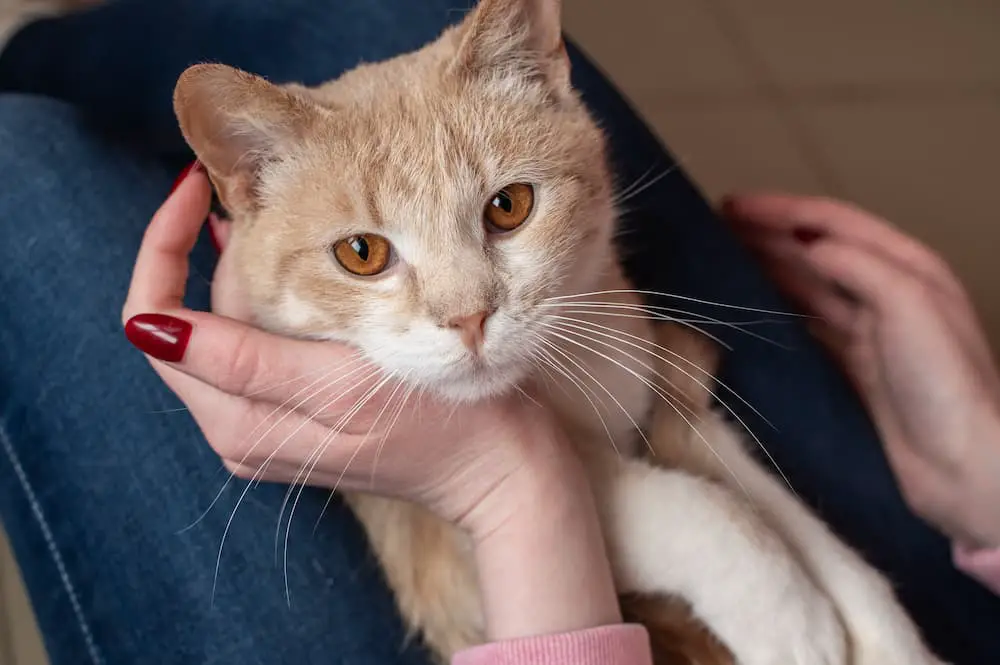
(610, 645)
(983, 565)
(629, 645)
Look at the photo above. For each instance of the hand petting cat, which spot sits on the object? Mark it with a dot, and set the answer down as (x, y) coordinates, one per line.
(499, 469)
(333, 433)
(906, 334)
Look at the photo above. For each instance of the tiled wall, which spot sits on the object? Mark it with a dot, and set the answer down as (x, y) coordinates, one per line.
(892, 103)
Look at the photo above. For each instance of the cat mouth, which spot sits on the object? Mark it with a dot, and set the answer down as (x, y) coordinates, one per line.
(477, 377)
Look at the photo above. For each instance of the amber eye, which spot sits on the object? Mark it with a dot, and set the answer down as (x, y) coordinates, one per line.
(509, 207)
(366, 254)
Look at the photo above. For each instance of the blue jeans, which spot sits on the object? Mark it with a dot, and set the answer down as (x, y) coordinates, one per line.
(101, 472)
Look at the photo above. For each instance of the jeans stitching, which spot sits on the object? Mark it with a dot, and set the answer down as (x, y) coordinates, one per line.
(50, 542)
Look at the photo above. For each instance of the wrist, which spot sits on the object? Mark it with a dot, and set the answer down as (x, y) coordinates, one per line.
(542, 561)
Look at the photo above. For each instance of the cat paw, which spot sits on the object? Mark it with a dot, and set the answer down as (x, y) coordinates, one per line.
(884, 650)
(809, 634)
(879, 630)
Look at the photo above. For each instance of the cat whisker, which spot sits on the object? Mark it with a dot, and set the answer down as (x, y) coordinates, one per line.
(263, 436)
(167, 412)
(639, 190)
(388, 431)
(308, 465)
(654, 316)
(635, 183)
(333, 492)
(565, 328)
(314, 460)
(580, 324)
(261, 469)
(548, 360)
(593, 325)
(526, 396)
(369, 366)
(588, 374)
(584, 324)
(661, 394)
(564, 322)
(661, 294)
(259, 391)
(583, 388)
(667, 314)
(697, 317)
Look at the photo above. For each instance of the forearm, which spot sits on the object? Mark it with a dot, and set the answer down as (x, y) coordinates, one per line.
(545, 570)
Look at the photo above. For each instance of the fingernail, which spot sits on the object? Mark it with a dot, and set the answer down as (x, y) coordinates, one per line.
(806, 235)
(188, 170)
(213, 219)
(159, 335)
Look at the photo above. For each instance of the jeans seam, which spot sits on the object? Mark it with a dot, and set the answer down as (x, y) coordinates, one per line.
(50, 543)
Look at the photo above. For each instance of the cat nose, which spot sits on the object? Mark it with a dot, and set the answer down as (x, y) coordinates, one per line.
(471, 329)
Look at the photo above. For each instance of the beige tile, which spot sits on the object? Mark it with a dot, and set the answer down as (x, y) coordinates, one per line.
(6, 644)
(20, 641)
(931, 168)
(727, 148)
(819, 43)
(665, 46)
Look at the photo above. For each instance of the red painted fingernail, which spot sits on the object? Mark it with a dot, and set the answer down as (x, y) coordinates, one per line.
(807, 236)
(159, 335)
(188, 170)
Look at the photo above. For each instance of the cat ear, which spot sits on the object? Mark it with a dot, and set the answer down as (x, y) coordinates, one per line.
(237, 124)
(516, 38)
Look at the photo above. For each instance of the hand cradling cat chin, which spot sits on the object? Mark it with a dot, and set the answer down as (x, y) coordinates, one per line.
(442, 224)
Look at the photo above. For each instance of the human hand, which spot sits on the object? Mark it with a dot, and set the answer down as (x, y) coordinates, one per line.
(906, 334)
(294, 411)
(501, 470)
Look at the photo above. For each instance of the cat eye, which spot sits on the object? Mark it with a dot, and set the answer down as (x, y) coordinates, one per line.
(509, 208)
(366, 254)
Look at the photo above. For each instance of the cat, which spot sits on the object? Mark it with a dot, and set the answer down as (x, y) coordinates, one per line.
(450, 212)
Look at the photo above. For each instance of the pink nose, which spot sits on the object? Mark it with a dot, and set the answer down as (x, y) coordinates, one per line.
(471, 328)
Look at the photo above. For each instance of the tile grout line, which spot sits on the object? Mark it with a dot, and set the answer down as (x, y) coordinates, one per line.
(827, 95)
(803, 139)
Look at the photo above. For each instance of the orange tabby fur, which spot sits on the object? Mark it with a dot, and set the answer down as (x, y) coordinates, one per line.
(411, 149)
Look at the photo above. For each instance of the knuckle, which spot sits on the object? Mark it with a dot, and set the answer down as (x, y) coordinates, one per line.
(245, 365)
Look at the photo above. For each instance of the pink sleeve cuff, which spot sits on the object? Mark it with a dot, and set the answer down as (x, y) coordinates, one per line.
(983, 565)
(609, 645)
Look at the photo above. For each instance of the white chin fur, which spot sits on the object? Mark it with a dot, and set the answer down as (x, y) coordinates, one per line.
(489, 383)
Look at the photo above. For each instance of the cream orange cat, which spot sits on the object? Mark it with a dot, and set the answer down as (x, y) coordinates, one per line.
(450, 213)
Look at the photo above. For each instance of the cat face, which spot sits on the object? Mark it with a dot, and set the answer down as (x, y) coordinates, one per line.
(422, 209)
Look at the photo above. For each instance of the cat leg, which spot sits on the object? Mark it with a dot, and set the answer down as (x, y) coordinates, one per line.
(879, 629)
(428, 564)
(670, 532)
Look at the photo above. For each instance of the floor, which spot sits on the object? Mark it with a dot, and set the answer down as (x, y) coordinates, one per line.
(894, 104)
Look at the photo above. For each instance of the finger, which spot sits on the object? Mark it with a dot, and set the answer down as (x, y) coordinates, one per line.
(161, 269)
(243, 361)
(220, 230)
(818, 217)
(875, 282)
(815, 293)
(228, 295)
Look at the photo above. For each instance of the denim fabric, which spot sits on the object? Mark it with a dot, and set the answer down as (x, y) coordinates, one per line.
(100, 473)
